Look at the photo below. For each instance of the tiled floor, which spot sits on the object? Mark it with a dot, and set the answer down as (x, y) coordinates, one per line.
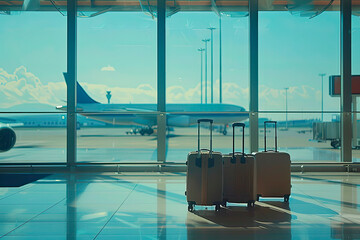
(153, 206)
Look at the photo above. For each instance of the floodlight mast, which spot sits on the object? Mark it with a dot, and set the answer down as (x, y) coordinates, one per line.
(206, 41)
(286, 108)
(201, 50)
(212, 64)
(322, 95)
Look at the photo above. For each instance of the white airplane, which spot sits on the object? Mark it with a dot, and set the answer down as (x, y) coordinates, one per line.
(178, 115)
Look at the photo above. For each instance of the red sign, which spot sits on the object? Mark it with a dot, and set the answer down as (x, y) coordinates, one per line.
(335, 85)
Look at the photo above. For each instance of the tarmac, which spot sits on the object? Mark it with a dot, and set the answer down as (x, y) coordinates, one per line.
(114, 145)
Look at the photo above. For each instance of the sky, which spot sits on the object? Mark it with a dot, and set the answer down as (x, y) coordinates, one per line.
(117, 52)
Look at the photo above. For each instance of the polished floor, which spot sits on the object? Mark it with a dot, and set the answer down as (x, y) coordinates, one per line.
(153, 206)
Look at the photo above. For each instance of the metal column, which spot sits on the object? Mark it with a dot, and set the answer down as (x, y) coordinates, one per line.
(254, 76)
(161, 81)
(345, 70)
(71, 83)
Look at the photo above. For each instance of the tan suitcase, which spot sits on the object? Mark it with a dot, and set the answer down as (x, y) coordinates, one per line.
(239, 175)
(273, 171)
(204, 178)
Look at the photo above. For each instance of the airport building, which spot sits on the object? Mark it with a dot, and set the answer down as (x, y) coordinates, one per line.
(100, 102)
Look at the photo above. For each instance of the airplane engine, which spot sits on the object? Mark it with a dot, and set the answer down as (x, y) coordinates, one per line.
(7, 139)
(179, 121)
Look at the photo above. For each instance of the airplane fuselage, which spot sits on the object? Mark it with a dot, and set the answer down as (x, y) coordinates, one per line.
(178, 115)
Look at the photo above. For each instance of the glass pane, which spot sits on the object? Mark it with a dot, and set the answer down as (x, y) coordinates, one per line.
(207, 75)
(32, 61)
(195, 41)
(33, 138)
(117, 76)
(117, 54)
(298, 51)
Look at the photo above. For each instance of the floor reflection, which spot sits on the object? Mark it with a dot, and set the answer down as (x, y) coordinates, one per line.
(236, 221)
(153, 206)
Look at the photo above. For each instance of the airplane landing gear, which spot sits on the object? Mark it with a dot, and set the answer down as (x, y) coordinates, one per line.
(224, 132)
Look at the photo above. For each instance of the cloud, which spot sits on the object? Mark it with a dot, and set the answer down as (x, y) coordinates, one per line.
(108, 69)
(22, 86)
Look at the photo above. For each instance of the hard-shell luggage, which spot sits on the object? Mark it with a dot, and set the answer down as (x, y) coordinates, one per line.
(273, 171)
(204, 179)
(239, 174)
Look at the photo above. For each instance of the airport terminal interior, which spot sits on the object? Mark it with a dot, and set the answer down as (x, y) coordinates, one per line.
(100, 103)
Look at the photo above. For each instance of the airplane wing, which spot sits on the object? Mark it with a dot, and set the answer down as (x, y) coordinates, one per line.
(146, 119)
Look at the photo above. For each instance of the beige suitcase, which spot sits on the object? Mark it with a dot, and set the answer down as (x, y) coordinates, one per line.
(204, 178)
(239, 175)
(273, 171)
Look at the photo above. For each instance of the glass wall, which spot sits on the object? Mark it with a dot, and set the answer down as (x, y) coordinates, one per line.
(207, 76)
(32, 62)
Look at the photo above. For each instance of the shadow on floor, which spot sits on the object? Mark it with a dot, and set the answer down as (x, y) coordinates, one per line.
(19, 179)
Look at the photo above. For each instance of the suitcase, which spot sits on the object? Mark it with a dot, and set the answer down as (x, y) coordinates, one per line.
(273, 171)
(239, 175)
(204, 178)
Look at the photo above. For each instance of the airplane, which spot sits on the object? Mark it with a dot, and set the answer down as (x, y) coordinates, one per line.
(143, 115)
(178, 115)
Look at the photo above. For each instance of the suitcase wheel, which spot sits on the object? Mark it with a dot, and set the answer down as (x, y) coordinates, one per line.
(190, 207)
(217, 207)
(250, 204)
(286, 198)
(258, 197)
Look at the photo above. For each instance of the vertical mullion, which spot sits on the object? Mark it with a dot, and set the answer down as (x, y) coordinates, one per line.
(161, 80)
(254, 75)
(71, 83)
(345, 69)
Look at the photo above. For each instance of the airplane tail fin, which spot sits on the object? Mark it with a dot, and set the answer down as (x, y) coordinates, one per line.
(81, 95)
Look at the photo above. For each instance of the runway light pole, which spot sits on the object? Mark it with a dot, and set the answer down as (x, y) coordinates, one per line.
(220, 63)
(212, 63)
(201, 50)
(286, 108)
(322, 95)
(206, 41)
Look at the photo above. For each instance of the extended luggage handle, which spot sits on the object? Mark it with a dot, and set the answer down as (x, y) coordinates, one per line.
(243, 159)
(268, 122)
(198, 159)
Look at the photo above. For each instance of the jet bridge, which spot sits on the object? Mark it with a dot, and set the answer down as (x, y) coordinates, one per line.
(330, 131)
